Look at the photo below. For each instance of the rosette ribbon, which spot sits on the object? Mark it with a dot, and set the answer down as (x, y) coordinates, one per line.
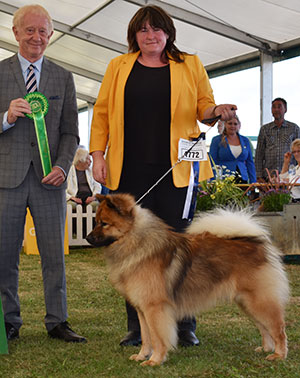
(3, 340)
(39, 107)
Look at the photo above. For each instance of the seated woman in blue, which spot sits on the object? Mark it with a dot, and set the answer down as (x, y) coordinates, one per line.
(232, 150)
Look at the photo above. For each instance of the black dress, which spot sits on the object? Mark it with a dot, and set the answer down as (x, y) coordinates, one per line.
(147, 154)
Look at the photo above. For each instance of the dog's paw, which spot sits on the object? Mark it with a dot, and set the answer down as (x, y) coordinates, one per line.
(275, 356)
(138, 357)
(151, 363)
(265, 349)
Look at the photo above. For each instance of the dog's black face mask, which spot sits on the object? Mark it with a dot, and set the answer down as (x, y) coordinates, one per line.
(100, 242)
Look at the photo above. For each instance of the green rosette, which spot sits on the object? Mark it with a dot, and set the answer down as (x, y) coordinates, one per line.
(39, 107)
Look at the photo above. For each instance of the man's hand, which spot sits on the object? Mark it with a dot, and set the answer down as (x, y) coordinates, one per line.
(56, 177)
(17, 108)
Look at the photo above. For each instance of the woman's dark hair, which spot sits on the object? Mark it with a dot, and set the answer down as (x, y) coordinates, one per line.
(157, 18)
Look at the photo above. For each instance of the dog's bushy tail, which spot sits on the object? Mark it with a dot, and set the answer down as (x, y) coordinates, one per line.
(227, 223)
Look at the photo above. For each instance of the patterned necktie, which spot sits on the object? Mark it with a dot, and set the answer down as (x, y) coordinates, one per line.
(31, 84)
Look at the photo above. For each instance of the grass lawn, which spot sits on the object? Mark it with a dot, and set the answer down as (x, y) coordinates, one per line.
(227, 337)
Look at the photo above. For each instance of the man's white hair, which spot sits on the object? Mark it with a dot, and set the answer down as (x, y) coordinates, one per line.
(35, 9)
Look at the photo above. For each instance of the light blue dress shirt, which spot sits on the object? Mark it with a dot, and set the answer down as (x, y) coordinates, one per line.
(25, 68)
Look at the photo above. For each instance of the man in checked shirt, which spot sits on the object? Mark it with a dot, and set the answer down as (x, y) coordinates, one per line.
(274, 140)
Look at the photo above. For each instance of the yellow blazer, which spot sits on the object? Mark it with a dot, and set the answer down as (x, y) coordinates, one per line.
(191, 95)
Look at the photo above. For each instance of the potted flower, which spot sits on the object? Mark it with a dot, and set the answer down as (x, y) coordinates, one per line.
(221, 192)
(280, 215)
(274, 199)
(276, 193)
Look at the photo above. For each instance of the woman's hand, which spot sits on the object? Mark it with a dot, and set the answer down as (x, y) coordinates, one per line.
(226, 111)
(99, 167)
(287, 157)
(76, 200)
(90, 199)
(286, 162)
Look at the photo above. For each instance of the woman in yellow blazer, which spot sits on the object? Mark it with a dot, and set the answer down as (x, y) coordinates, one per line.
(148, 100)
(191, 96)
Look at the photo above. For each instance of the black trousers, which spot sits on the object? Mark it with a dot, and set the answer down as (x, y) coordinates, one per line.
(165, 200)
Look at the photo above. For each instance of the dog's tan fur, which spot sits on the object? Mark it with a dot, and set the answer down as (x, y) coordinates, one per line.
(223, 256)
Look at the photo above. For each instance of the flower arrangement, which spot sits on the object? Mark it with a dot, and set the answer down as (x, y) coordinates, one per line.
(220, 192)
(275, 193)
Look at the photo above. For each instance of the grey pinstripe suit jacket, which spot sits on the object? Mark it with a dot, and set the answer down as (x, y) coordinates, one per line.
(18, 145)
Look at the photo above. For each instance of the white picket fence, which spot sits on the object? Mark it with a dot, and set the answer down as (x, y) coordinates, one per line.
(76, 237)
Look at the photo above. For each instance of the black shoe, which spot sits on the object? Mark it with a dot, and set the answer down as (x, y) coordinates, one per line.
(12, 333)
(64, 332)
(133, 338)
(187, 338)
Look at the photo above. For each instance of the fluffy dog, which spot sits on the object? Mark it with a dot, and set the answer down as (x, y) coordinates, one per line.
(223, 256)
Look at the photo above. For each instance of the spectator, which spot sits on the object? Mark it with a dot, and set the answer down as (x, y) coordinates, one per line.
(82, 188)
(274, 141)
(233, 151)
(290, 173)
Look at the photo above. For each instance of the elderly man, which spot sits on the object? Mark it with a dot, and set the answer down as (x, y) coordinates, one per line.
(274, 141)
(22, 182)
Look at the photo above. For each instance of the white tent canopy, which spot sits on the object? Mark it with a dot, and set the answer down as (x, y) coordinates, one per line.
(89, 33)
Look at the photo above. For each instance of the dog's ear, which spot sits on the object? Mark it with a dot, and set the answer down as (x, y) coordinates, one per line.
(123, 204)
(110, 203)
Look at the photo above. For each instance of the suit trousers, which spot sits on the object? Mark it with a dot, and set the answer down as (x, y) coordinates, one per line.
(48, 210)
(165, 200)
